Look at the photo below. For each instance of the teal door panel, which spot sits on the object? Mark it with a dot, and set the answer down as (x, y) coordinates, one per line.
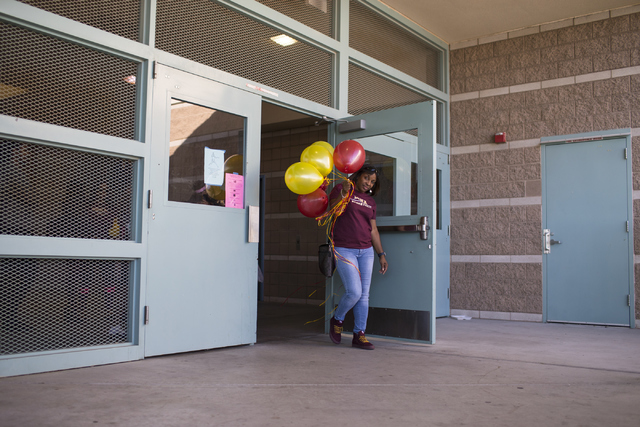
(400, 143)
(586, 208)
(403, 287)
(441, 229)
(204, 175)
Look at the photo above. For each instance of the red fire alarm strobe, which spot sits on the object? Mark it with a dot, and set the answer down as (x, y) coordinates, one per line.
(500, 138)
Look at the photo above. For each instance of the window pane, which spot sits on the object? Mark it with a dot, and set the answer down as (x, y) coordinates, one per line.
(205, 145)
(395, 157)
(385, 167)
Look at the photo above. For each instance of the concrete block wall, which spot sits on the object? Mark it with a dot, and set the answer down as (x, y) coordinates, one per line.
(573, 76)
(291, 239)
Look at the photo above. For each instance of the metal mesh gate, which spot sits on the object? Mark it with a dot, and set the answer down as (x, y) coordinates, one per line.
(54, 304)
(56, 192)
(120, 17)
(369, 92)
(317, 14)
(378, 37)
(208, 33)
(53, 81)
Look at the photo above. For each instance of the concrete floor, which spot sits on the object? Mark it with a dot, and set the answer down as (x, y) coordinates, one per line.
(479, 373)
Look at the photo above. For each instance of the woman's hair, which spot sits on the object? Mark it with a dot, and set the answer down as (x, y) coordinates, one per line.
(367, 169)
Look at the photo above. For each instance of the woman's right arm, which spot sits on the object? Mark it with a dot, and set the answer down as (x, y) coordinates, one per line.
(346, 189)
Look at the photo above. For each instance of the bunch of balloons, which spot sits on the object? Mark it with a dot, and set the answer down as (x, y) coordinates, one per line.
(308, 177)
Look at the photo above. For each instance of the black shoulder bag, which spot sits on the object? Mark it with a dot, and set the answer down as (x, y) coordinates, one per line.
(326, 259)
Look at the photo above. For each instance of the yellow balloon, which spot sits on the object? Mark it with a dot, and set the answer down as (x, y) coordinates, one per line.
(319, 157)
(234, 164)
(216, 192)
(303, 178)
(326, 145)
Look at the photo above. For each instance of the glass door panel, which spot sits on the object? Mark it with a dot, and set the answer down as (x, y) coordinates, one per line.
(395, 157)
(205, 144)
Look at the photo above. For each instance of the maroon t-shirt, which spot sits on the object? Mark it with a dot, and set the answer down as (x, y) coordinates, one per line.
(353, 228)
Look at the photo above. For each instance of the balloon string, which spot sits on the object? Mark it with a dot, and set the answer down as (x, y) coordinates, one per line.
(338, 208)
(300, 287)
(329, 219)
(325, 301)
(325, 316)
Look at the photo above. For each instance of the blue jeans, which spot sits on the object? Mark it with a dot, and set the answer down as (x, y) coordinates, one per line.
(356, 285)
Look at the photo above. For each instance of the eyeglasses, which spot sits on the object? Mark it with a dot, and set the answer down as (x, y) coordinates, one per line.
(370, 169)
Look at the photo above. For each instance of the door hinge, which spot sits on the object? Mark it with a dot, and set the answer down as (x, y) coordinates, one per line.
(627, 226)
(448, 293)
(146, 314)
(629, 300)
(448, 230)
(625, 154)
(150, 200)
(153, 69)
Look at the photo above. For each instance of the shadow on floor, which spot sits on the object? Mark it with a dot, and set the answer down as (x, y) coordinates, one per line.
(283, 322)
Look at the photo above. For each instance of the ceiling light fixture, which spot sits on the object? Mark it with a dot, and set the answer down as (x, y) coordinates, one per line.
(284, 40)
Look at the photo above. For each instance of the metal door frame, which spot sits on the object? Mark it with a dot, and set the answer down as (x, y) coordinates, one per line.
(50, 247)
(443, 254)
(585, 137)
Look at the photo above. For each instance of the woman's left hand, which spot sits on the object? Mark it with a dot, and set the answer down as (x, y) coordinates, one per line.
(383, 264)
(377, 245)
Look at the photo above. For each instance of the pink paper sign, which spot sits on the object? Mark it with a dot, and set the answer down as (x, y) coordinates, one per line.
(234, 191)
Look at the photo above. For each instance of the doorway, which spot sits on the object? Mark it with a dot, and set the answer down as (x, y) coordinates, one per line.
(401, 143)
(202, 264)
(587, 236)
(293, 287)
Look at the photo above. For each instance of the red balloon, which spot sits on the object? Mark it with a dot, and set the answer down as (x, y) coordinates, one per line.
(324, 185)
(349, 156)
(313, 204)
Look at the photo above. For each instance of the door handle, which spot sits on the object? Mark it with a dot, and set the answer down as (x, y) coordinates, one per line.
(548, 241)
(422, 228)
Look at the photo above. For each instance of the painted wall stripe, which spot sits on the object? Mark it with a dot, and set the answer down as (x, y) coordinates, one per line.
(566, 81)
(498, 259)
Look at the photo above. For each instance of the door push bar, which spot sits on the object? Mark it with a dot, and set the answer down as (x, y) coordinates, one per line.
(548, 241)
(422, 228)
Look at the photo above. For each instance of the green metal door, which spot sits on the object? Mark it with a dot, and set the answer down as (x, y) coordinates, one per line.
(587, 231)
(204, 178)
(400, 143)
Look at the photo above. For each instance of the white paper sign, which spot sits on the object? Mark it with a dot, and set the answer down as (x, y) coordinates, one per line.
(213, 166)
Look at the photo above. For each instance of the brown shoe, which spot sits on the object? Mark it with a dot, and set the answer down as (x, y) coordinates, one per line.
(335, 330)
(360, 341)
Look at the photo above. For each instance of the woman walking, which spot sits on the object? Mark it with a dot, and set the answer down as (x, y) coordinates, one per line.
(355, 237)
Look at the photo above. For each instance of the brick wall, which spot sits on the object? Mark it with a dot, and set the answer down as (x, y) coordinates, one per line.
(291, 239)
(579, 75)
